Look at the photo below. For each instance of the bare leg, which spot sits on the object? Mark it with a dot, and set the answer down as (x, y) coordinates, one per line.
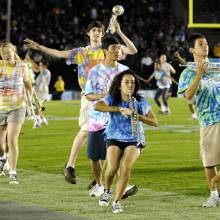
(97, 170)
(114, 155)
(13, 131)
(210, 173)
(77, 145)
(3, 133)
(130, 155)
(214, 182)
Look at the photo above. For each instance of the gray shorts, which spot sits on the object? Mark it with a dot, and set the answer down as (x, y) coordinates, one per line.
(16, 116)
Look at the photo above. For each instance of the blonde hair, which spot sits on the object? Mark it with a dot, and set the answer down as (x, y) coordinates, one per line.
(13, 47)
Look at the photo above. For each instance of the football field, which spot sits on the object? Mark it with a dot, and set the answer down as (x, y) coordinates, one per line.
(169, 172)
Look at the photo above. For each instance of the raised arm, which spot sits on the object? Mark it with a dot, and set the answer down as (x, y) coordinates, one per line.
(102, 107)
(179, 58)
(191, 91)
(49, 51)
(130, 47)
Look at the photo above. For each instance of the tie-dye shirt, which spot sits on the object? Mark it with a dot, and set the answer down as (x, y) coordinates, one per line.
(119, 126)
(99, 81)
(85, 58)
(207, 96)
(12, 86)
(163, 81)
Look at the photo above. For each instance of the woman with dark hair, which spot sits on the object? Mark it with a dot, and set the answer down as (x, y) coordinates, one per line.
(123, 139)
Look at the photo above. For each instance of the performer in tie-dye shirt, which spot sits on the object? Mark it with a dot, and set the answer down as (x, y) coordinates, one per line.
(122, 144)
(13, 77)
(97, 86)
(203, 83)
(85, 58)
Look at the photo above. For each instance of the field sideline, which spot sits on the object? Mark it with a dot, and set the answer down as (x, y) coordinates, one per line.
(169, 171)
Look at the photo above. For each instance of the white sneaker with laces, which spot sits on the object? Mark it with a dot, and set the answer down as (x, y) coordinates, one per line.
(117, 207)
(104, 199)
(97, 190)
(212, 201)
(13, 179)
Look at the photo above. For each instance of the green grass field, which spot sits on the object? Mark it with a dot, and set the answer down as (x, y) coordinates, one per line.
(169, 172)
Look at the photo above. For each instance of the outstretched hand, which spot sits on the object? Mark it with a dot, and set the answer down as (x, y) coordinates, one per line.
(31, 44)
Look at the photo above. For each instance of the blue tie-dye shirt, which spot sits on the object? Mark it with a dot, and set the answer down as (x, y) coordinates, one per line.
(98, 82)
(119, 126)
(207, 96)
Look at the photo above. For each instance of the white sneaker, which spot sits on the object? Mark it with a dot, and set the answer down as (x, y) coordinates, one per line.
(6, 166)
(194, 116)
(44, 121)
(104, 199)
(97, 190)
(212, 201)
(130, 191)
(13, 179)
(117, 207)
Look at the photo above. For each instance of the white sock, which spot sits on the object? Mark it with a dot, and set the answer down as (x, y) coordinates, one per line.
(12, 172)
(70, 166)
(214, 193)
(163, 108)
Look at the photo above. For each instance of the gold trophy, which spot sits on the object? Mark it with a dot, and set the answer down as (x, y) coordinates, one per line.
(116, 10)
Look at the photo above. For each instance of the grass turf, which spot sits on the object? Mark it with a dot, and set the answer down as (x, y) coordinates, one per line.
(169, 171)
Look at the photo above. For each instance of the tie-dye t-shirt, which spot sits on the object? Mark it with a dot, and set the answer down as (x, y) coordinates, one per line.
(98, 82)
(12, 86)
(85, 58)
(207, 96)
(163, 81)
(119, 126)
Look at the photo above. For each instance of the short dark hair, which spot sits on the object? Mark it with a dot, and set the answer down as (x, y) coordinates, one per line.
(193, 38)
(109, 40)
(97, 24)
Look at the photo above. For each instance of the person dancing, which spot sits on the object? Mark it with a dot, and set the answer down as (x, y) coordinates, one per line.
(14, 77)
(123, 147)
(85, 58)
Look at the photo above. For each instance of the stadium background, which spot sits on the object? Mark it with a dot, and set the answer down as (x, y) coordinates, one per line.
(155, 27)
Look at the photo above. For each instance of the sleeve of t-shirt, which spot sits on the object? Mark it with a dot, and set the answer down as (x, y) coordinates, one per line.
(185, 80)
(108, 100)
(76, 56)
(143, 107)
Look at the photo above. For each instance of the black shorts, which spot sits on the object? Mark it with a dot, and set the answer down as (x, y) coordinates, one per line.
(96, 147)
(120, 144)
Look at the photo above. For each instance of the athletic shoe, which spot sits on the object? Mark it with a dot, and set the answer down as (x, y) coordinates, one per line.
(117, 207)
(44, 121)
(104, 198)
(69, 174)
(212, 201)
(93, 183)
(2, 164)
(13, 179)
(96, 191)
(194, 116)
(6, 167)
(130, 191)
